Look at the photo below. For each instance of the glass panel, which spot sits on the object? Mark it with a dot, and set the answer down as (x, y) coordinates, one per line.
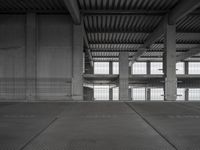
(180, 68)
(139, 68)
(180, 94)
(138, 94)
(194, 94)
(157, 94)
(101, 92)
(116, 93)
(194, 68)
(101, 68)
(115, 67)
(156, 68)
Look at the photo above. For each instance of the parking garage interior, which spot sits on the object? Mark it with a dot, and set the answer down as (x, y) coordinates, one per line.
(99, 74)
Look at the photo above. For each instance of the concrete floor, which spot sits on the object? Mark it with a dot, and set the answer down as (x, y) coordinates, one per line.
(100, 126)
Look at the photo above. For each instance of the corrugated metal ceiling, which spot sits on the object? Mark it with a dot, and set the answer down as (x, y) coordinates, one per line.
(127, 4)
(109, 32)
(21, 5)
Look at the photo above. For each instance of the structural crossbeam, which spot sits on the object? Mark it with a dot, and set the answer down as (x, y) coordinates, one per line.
(188, 54)
(74, 11)
(177, 13)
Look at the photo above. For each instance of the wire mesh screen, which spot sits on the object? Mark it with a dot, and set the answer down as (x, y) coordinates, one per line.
(12, 89)
(139, 68)
(180, 94)
(101, 92)
(157, 94)
(194, 94)
(156, 68)
(101, 68)
(194, 68)
(115, 92)
(138, 94)
(180, 68)
(53, 88)
(115, 68)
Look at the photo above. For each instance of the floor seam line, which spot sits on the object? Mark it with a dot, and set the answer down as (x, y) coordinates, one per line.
(36, 135)
(145, 120)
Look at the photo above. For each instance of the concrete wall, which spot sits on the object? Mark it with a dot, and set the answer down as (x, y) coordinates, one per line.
(53, 53)
(12, 57)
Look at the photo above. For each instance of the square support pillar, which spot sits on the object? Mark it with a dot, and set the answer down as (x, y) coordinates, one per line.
(186, 67)
(77, 79)
(169, 63)
(130, 93)
(31, 48)
(110, 67)
(186, 94)
(186, 72)
(110, 94)
(147, 89)
(148, 67)
(123, 76)
(148, 94)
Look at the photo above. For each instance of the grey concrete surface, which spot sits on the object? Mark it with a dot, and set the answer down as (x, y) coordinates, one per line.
(178, 123)
(36, 48)
(100, 126)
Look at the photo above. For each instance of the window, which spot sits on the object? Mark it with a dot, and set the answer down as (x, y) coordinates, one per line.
(115, 93)
(139, 68)
(138, 94)
(180, 68)
(194, 68)
(156, 68)
(115, 67)
(180, 94)
(101, 68)
(101, 92)
(157, 94)
(194, 94)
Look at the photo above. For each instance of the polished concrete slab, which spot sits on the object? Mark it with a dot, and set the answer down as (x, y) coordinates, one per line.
(100, 126)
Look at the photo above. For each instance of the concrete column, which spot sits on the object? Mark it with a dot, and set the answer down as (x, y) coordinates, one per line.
(31, 48)
(123, 76)
(186, 94)
(186, 72)
(130, 70)
(110, 67)
(186, 67)
(77, 79)
(148, 90)
(110, 94)
(148, 94)
(148, 67)
(130, 94)
(169, 62)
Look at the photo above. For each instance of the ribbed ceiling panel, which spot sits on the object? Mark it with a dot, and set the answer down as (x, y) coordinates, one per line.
(127, 4)
(24, 5)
